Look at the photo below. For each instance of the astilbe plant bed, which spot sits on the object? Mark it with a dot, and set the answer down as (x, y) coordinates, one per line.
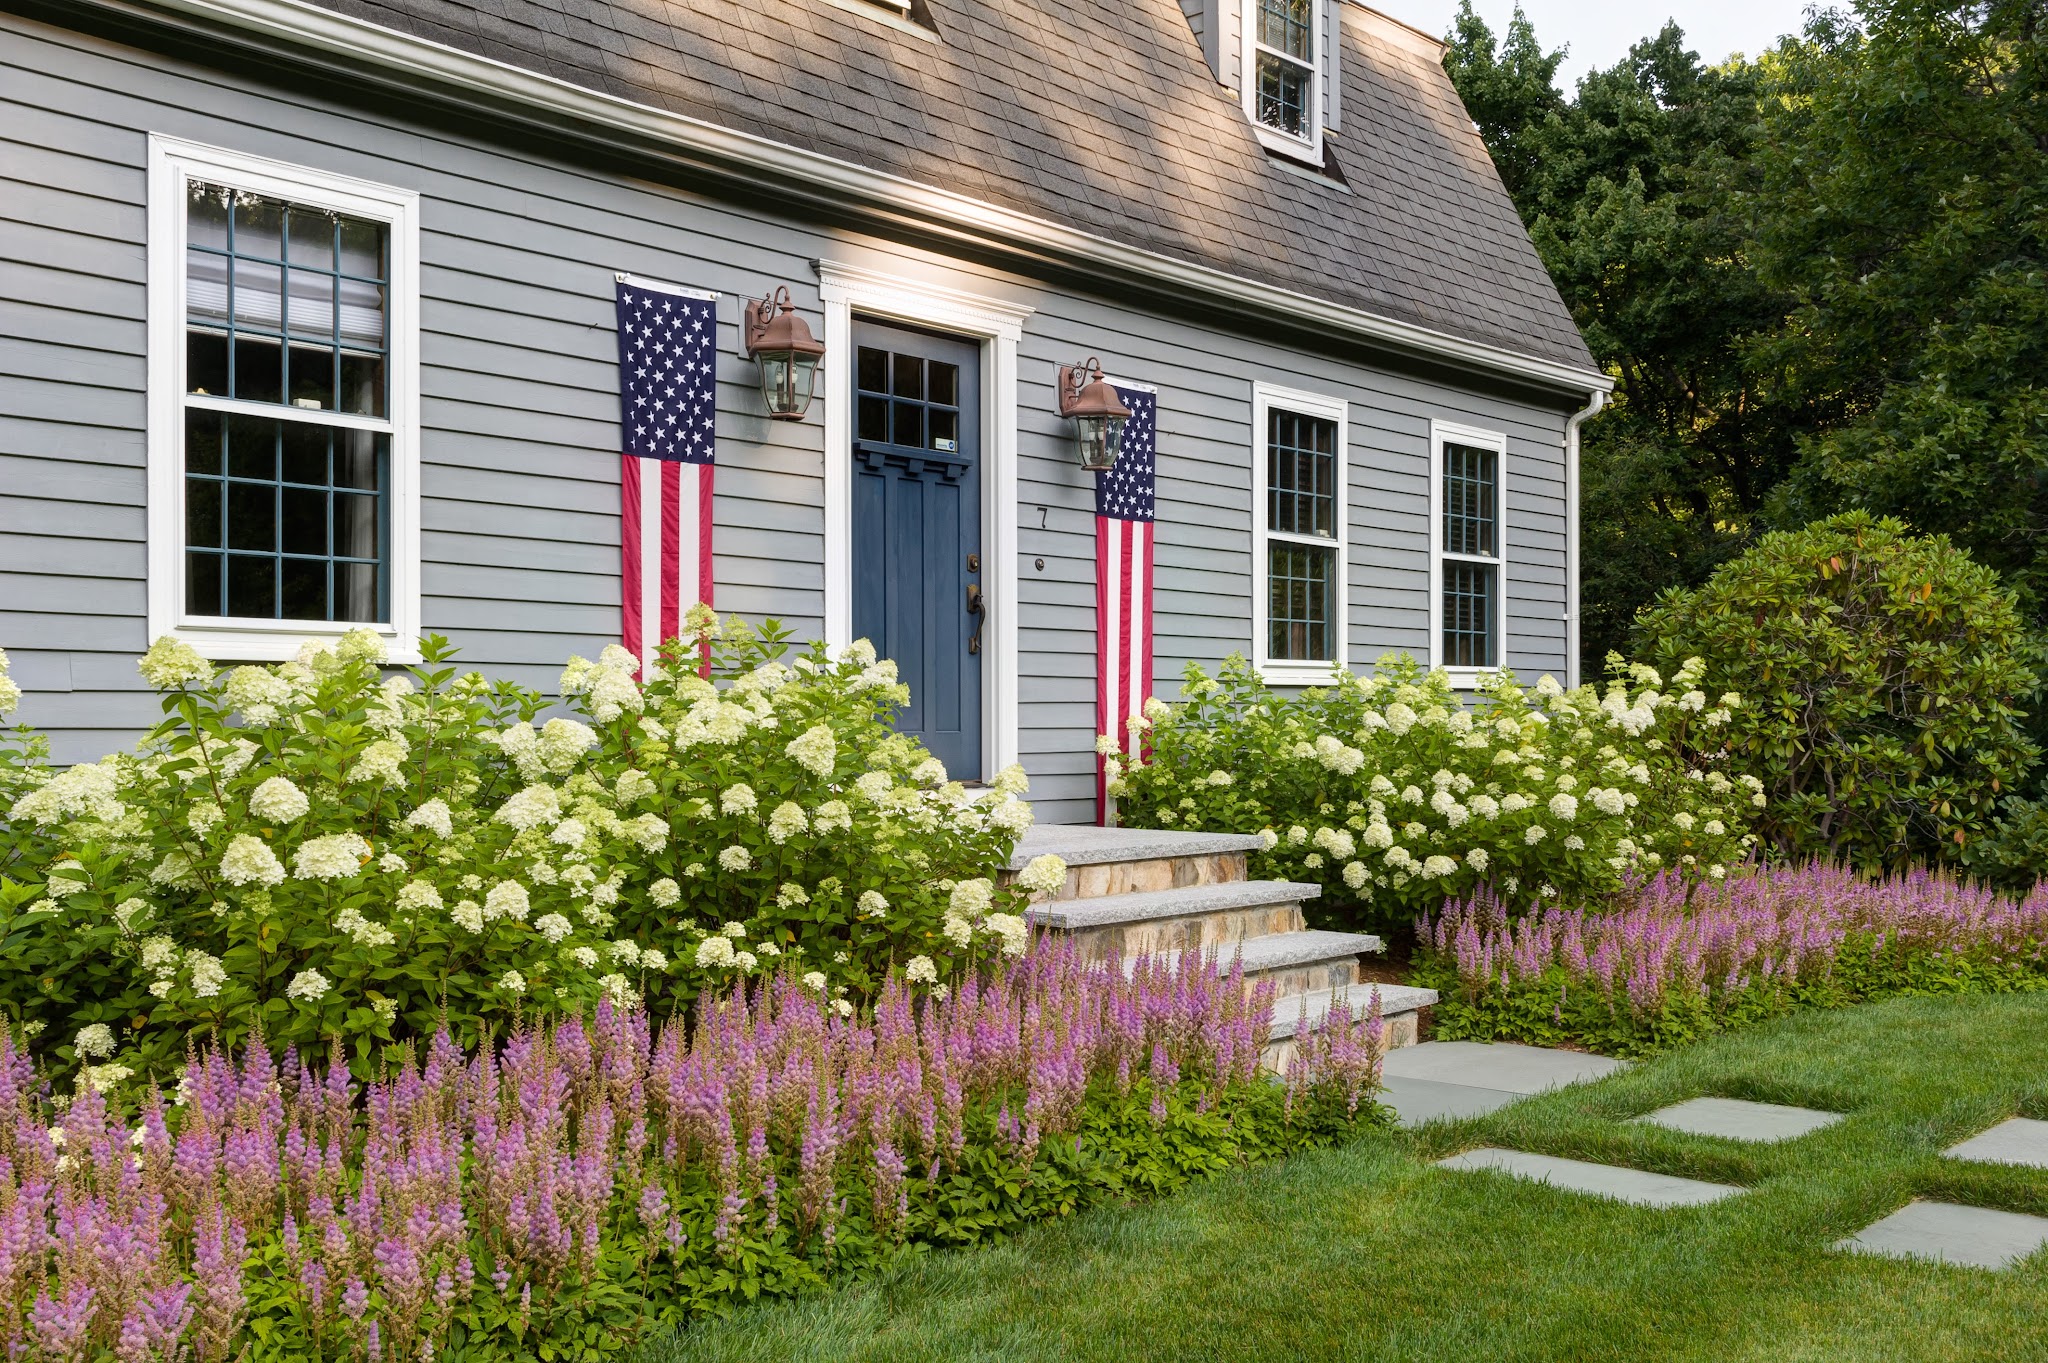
(1681, 960)
(562, 1195)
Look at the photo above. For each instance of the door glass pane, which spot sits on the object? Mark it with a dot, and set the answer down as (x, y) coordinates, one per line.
(873, 370)
(909, 376)
(873, 420)
(945, 380)
(909, 425)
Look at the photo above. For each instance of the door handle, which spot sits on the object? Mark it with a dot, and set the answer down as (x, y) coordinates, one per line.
(979, 611)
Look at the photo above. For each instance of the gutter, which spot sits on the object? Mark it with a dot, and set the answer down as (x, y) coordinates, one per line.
(1598, 399)
(418, 60)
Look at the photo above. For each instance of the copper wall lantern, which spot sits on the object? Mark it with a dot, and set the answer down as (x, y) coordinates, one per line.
(1099, 414)
(781, 343)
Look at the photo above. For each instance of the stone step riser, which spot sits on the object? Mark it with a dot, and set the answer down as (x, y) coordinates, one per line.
(1195, 932)
(1139, 877)
(1403, 1029)
(1306, 979)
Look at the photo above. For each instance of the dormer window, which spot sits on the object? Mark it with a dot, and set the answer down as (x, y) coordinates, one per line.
(1286, 70)
(1284, 56)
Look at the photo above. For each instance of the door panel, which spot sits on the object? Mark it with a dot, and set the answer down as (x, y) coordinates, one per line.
(917, 528)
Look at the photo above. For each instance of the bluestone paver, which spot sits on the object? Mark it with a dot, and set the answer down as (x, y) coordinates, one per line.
(1736, 1119)
(1952, 1234)
(1601, 1180)
(2021, 1140)
(1416, 1101)
(1500, 1066)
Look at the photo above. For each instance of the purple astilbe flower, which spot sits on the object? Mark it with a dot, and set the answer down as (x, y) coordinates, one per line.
(60, 1327)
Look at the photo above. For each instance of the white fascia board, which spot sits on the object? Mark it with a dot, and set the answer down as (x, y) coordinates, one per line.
(302, 25)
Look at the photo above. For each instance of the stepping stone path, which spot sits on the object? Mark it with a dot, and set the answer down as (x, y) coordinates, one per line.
(1134, 890)
(1738, 1120)
(2021, 1140)
(1451, 1079)
(1951, 1234)
(1601, 1180)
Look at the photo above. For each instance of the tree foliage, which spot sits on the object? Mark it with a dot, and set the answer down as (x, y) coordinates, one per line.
(1817, 277)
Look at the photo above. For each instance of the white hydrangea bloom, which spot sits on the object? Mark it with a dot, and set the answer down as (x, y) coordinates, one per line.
(172, 663)
(735, 858)
(786, 821)
(1013, 816)
(930, 772)
(1563, 806)
(1477, 859)
(533, 807)
(258, 694)
(1042, 875)
(1684, 821)
(735, 930)
(649, 831)
(381, 763)
(507, 899)
(834, 816)
(512, 982)
(664, 893)
(816, 750)
(1010, 930)
(737, 799)
(1268, 839)
(1011, 780)
(1607, 800)
(249, 861)
(94, 1039)
(432, 817)
(1534, 834)
(873, 904)
(814, 980)
(208, 974)
(415, 895)
(278, 801)
(714, 952)
(553, 926)
(363, 931)
(84, 791)
(337, 856)
(309, 986)
(1400, 718)
(1355, 874)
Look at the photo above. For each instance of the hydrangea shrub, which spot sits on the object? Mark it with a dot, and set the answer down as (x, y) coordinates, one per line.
(317, 850)
(1393, 793)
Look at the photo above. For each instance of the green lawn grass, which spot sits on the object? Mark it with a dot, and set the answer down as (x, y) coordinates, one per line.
(1366, 1252)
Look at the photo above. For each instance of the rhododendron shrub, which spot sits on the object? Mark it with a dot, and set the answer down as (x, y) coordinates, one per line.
(1394, 792)
(587, 1184)
(1676, 960)
(318, 849)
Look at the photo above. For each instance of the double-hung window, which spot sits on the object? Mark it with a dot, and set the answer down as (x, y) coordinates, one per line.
(283, 437)
(1469, 558)
(1283, 73)
(1298, 534)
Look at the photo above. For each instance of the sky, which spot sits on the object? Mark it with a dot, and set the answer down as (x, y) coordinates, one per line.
(1600, 32)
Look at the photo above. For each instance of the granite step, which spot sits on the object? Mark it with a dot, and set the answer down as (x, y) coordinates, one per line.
(1296, 962)
(1401, 1006)
(1112, 861)
(1185, 919)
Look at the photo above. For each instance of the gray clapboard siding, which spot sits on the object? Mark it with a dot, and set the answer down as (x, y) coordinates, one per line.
(520, 505)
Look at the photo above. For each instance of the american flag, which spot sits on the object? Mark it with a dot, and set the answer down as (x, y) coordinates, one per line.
(1124, 498)
(668, 403)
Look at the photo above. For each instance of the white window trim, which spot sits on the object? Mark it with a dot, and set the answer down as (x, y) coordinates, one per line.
(845, 289)
(1310, 148)
(1442, 433)
(1290, 671)
(172, 162)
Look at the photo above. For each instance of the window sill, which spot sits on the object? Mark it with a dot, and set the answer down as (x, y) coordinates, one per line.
(1300, 674)
(1308, 151)
(1469, 678)
(276, 641)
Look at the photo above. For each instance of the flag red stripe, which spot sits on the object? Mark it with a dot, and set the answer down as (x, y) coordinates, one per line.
(1123, 643)
(629, 551)
(671, 546)
(704, 577)
(1145, 640)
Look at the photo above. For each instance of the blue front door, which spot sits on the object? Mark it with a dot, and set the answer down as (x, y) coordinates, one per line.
(917, 575)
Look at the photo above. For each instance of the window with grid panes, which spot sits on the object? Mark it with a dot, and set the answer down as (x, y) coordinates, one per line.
(1471, 555)
(1284, 59)
(1301, 537)
(286, 414)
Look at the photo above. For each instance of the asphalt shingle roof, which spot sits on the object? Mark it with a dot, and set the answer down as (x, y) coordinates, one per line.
(1100, 115)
